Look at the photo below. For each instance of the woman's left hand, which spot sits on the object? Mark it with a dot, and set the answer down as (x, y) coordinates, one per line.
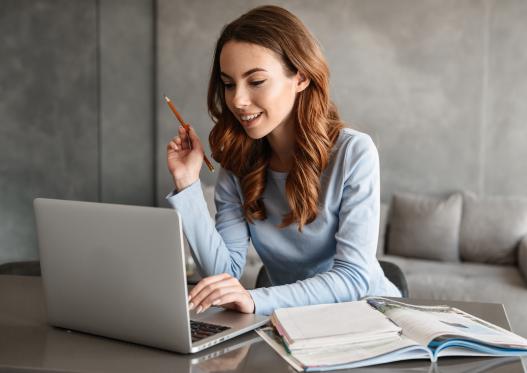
(220, 290)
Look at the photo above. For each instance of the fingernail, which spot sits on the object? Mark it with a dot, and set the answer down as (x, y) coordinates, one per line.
(191, 306)
(199, 309)
(189, 297)
(216, 302)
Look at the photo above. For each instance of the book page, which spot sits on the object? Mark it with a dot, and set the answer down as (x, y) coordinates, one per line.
(273, 339)
(346, 356)
(499, 364)
(352, 354)
(425, 324)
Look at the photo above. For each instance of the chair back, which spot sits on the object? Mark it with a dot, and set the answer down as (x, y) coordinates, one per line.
(391, 271)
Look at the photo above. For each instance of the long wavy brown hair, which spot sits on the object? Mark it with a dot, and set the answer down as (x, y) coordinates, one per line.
(317, 122)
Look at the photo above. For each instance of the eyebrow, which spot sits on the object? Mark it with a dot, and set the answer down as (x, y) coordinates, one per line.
(248, 72)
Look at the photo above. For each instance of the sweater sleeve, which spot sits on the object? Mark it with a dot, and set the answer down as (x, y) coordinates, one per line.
(356, 238)
(216, 248)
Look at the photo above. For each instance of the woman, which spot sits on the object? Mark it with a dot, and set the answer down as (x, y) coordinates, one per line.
(293, 180)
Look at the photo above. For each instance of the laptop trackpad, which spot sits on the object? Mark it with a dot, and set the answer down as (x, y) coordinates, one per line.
(221, 316)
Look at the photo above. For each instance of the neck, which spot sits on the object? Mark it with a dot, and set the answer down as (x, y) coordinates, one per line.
(282, 142)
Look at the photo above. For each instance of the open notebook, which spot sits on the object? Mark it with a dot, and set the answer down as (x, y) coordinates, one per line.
(378, 330)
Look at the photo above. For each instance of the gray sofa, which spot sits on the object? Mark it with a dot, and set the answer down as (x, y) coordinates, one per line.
(460, 248)
(456, 248)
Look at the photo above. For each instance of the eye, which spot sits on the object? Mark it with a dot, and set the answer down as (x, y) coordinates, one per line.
(257, 83)
(228, 85)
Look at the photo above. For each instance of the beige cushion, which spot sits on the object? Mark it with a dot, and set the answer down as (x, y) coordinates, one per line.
(491, 228)
(425, 227)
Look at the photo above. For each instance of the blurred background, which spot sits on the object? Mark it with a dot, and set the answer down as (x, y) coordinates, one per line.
(440, 85)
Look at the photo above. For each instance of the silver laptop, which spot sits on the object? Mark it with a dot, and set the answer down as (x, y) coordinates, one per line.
(119, 271)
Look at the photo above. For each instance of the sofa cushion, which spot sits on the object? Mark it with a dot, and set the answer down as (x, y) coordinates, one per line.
(491, 228)
(464, 281)
(425, 227)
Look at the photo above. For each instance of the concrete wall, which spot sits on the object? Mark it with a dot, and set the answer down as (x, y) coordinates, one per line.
(48, 112)
(439, 85)
(76, 118)
(127, 120)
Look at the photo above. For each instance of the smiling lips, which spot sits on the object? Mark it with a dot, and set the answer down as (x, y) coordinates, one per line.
(248, 118)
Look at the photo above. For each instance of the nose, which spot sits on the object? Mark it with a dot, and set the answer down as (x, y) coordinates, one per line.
(241, 98)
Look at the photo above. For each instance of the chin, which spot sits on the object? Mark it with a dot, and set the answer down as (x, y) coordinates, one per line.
(254, 133)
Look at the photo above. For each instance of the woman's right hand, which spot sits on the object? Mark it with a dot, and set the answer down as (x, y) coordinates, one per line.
(184, 161)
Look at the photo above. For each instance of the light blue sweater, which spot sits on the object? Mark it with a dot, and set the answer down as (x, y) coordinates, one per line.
(331, 260)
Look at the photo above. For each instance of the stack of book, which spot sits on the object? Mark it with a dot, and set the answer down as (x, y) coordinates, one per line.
(379, 330)
(323, 326)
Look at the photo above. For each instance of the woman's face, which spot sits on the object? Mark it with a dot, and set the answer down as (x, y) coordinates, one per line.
(259, 91)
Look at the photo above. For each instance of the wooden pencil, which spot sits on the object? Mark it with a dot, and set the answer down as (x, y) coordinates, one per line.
(187, 128)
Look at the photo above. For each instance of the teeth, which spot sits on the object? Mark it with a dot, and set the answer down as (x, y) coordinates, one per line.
(250, 117)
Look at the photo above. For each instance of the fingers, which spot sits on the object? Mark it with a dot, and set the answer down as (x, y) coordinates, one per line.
(210, 289)
(228, 295)
(193, 136)
(172, 145)
(220, 296)
(186, 140)
(185, 136)
(206, 282)
(221, 290)
(180, 142)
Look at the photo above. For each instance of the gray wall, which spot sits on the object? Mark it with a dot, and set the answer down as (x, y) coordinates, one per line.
(439, 85)
(76, 110)
(127, 120)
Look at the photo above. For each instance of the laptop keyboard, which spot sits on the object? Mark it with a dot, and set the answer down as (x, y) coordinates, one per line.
(200, 330)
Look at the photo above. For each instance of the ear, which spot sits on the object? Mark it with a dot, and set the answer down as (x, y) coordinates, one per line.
(302, 82)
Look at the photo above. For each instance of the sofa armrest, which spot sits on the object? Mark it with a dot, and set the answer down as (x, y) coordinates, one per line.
(522, 257)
